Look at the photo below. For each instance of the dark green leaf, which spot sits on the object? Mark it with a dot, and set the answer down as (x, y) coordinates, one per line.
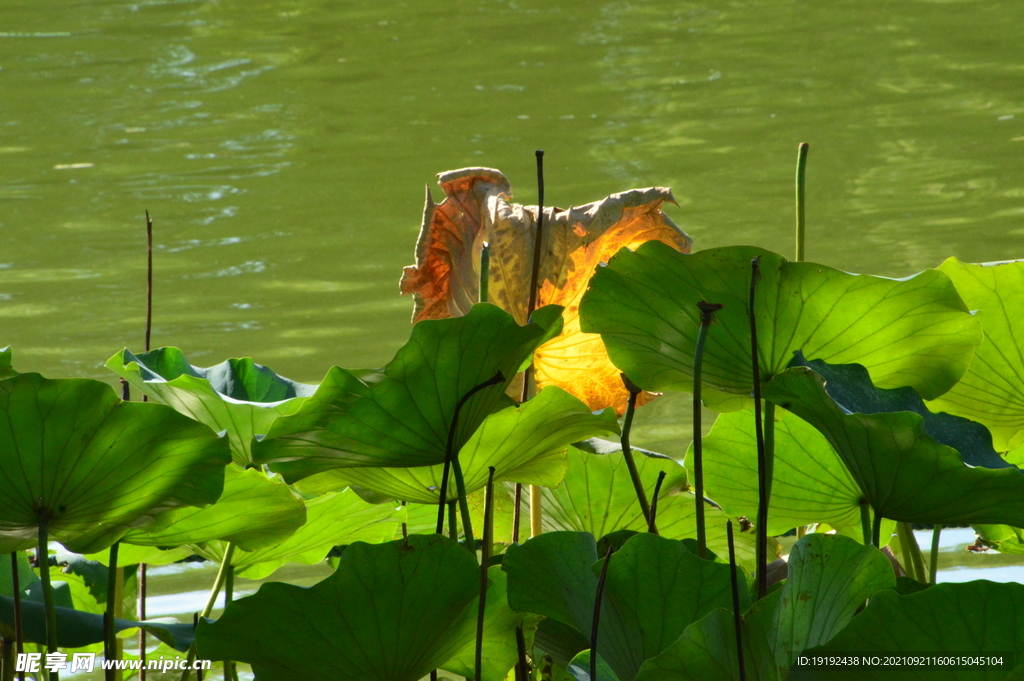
(401, 416)
(904, 474)
(915, 331)
(390, 612)
(93, 467)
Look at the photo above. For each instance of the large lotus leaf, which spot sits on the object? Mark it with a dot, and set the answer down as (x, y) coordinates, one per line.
(74, 455)
(253, 512)
(973, 618)
(904, 474)
(830, 577)
(390, 612)
(401, 416)
(915, 331)
(237, 395)
(850, 386)
(499, 648)
(597, 496)
(992, 391)
(810, 484)
(524, 443)
(76, 629)
(333, 519)
(478, 208)
(129, 554)
(654, 589)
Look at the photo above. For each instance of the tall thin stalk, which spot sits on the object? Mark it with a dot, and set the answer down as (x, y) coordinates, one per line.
(652, 525)
(522, 666)
(913, 561)
(110, 637)
(736, 617)
(485, 558)
(801, 169)
(707, 313)
(453, 522)
(44, 574)
(218, 584)
(933, 563)
(763, 466)
(485, 272)
(595, 623)
(876, 530)
(536, 514)
(517, 502)
(19, 636)
(450, 455)
(627, 451)
(229, 594)
(460, 487)
(865, 521)
(145, 398)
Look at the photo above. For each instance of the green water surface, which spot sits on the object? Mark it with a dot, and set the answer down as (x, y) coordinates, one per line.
(283, 147)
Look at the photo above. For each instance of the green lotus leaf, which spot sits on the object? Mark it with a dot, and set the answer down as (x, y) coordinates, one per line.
(333, 519)
(904, 474)
(92, 467)
(253, 512)
(76, 629)
(992, 391)
(850, 386)
(972, 618)
(524, 443)
(597, 496)
(237, 395)
(26, 575)
(400, 417)
(1003, 538)
(654, 589)
(830, 577)
(499, 649)
(810, 485)
(579, 668)
(915, 331)
(390, 612)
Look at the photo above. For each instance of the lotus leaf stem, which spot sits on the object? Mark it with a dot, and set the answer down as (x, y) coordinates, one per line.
(865, 521)
(109, 632)
(735, 601)
(485, 558)
(933, 564)
(453, 522)
(763, 466)
(595, 623)
(652, 526)
(801, 170)
(485, 272)
(43, 557)
(19, 636)
(913, 561)
(450, 453)
(218, 583)
(627, 451)
(707, 313)
(876, 530)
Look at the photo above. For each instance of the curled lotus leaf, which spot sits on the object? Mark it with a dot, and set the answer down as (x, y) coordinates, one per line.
(237, 395)
(992, 390)
(478, 208)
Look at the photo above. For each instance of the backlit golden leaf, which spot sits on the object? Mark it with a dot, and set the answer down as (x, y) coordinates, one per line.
(478, 208)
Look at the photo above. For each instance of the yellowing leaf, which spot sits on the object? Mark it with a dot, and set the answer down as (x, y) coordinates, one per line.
(477, 208)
